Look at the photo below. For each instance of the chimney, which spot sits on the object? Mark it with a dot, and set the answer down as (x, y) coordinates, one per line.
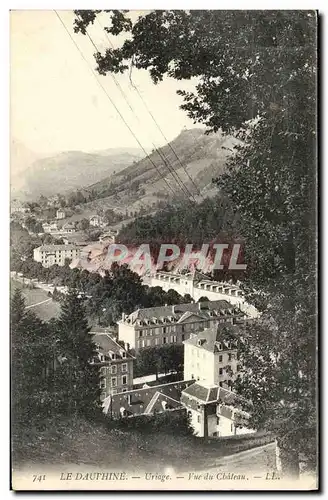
(126, 346)
(123, 316)
(174, 309)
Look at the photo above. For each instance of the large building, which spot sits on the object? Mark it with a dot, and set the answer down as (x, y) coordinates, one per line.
(214, 411)
(211, 358)
(116, 365)
(173, 324)
(198, 285)
(49, 255)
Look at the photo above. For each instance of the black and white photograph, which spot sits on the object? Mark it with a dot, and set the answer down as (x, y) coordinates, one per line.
(164, 250)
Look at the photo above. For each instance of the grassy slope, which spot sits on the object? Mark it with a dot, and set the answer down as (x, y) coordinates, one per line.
(45, 311)
(80, 442)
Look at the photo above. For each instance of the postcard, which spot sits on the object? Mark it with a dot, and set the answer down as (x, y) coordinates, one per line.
(163, 250)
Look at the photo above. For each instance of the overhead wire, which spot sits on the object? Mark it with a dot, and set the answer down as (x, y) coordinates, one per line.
(113, 104)
(179, 180)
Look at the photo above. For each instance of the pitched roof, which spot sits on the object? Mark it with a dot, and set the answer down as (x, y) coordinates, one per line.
(137, 401)
(204, 310)
(53, 248)
(220, 334)
(107, 344)
(207, 394)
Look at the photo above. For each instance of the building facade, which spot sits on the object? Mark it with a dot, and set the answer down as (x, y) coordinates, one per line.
(116, 365)
(173, 324)
(60, 214)
(211, 359)
(198, 285)
(50, 227)
(49, 255)
(214, 411)
(211, 356)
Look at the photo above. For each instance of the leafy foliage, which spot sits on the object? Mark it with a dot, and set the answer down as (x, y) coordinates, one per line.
(256, 74)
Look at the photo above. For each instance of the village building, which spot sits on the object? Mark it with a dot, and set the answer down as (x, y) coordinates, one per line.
(60, 214)
(116, 365)
(50, 227)
(211, 358)
(198, 285)
(108, 236)
(173, 324)
(49, 255)
(97, 221)
(214, 411)
(68, 228)
(146, 401)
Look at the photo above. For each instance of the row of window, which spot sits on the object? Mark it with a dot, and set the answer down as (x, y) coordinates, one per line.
(157, 341)
(113, 368)
(103, 381)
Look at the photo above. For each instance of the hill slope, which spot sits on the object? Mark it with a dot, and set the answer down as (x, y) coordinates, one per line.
(193, 156)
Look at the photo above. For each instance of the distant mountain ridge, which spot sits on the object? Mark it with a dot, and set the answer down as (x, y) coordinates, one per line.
(69, 170)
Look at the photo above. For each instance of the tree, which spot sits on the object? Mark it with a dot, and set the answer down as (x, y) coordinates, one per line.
(76, 376)
(147, 362)
(256, 74)
(30, 356)
(203, 299)
(83, 224)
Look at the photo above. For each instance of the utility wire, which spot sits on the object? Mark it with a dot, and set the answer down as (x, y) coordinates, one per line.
(108, 96)
(165, 159)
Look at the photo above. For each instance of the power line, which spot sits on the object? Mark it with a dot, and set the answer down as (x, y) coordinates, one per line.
(177, 178)
(108, 96)
(163, 135)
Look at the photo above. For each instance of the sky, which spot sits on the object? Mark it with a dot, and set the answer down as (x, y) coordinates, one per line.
(57, 104)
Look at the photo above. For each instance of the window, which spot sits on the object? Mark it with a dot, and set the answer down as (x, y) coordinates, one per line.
(140, 333)
(114, 369)
(220, 384)
(142, 343)
(231, 427)
(114, 381)
(229, 357)
(220, 371)
(217, 420)
(173, 338)
(123, 354)
(198, 419)
(148, 342)
(103, 383)
(220, 347)
(124, 380)
(220, 358)
(164, 340)
(182, 337)
(157, 341)
(124, 367)
(229, 383)
(124, 390)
